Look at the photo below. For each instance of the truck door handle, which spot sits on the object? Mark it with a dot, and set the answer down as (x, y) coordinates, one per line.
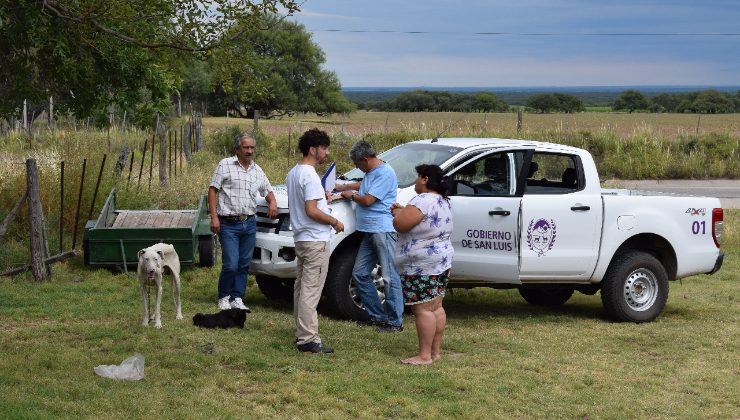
(499, 212)
(580, 208)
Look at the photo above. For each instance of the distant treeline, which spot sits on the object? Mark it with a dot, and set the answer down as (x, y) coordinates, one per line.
(706, 101)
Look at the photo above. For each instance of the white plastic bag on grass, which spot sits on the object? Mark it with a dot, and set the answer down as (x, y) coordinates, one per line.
(131, 369)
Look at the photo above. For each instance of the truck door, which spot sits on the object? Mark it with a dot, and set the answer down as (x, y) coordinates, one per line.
(561, 220)
(485, 198)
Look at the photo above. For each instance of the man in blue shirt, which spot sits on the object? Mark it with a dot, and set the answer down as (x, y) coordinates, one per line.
(374, 197)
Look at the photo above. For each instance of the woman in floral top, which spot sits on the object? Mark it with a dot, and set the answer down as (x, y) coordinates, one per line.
(423, 257)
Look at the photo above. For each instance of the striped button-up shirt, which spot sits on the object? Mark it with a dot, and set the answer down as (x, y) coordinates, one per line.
(238, 188)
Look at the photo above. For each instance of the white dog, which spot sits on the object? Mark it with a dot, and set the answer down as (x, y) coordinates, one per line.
(154, 261)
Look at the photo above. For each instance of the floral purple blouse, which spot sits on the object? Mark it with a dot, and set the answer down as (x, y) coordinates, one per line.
(426, 249)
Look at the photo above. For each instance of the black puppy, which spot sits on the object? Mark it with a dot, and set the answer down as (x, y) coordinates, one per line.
(229, 318)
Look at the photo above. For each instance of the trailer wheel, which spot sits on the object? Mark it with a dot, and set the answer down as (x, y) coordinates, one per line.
(207, 250)
(546, 296)
(635, 287)
(86, 251)
(339, 289)
(275, 288)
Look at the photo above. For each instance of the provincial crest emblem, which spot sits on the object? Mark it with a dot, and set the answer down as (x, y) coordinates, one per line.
(541, 236)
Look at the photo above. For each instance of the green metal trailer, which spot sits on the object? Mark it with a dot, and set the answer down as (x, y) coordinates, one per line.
(116, 236)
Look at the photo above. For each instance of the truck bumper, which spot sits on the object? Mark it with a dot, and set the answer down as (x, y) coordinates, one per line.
(718, 263)
(274, 255)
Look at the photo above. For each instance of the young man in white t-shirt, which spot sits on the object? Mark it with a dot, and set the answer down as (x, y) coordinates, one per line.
(312, 223)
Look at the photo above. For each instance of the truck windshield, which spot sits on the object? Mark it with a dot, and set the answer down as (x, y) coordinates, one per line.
(404, 158)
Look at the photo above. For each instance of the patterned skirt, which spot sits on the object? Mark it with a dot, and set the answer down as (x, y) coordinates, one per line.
(423, 288)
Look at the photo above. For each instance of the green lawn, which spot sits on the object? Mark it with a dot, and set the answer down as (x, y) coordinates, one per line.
(501, 357)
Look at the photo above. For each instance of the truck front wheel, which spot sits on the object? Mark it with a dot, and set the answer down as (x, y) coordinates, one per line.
(339, 289)
(635, 287)
(545, 295)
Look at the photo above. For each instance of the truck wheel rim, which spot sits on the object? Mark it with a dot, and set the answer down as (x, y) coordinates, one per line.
(641, 289)
(379, 286)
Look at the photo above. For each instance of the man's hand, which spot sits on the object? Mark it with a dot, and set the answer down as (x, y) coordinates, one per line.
(339, 226)
(272, 210)
(215, 225)
(271, 205)
(347, 194)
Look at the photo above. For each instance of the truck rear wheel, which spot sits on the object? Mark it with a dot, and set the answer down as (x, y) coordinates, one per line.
(206, 250)
(546, 295)
(635, 287)
(275, 288)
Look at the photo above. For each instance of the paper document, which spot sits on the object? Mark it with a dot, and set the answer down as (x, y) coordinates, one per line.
(329, 180)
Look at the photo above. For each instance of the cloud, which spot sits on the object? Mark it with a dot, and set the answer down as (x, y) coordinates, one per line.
(310, 14)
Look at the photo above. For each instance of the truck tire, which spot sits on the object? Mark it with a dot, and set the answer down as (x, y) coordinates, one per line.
(545, 295)
(207, 250)
(341, 298)
(86, 251)
(635, 287)
(275, 288)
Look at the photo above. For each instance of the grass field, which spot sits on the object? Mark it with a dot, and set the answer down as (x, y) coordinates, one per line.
(471, 124)
(501, 357)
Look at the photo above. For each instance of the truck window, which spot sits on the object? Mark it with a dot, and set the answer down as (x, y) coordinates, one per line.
(551, 173)
(490, 175)
(404, 158)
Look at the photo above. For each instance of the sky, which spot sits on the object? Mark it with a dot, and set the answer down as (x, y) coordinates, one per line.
(371, 43)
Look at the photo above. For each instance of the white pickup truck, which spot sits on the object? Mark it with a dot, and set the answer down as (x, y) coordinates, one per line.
(527, 215)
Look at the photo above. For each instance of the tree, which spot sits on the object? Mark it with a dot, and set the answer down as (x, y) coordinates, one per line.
(666, 102)
(488, 102)
(569, 103)
(276, 72)
(713, 102)
(631, 100)
(89, 54)
(543, 102)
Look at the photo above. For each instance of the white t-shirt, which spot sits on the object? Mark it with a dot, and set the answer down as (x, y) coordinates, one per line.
(303, 185)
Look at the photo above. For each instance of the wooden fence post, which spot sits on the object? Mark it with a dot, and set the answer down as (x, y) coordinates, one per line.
(51, 112)
(39, 250)
(519, 120)
(187, 148)
(698, 123)
(97, 186)
(61, 209)
(199, 127)
(162, 161)
(79, 202)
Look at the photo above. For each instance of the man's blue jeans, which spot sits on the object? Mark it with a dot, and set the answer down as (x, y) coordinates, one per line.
(237, 246)
(379, 248)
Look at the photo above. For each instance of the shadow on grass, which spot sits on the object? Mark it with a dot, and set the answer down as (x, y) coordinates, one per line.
(473, 305)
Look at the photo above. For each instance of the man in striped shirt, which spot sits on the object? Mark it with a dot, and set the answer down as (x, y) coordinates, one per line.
(232, 201)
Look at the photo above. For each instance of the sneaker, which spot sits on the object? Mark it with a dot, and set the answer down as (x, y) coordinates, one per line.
(314, 347)
(238, 304)
(370, 322)
(223, 303)
(388, 328)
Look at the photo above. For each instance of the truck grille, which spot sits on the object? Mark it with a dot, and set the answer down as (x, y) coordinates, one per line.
(267, 225)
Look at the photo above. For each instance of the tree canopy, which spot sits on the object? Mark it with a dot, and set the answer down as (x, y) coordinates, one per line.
(94, 53)
(277, 72)
(555, 102)
(443, 101)
(631, 100)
